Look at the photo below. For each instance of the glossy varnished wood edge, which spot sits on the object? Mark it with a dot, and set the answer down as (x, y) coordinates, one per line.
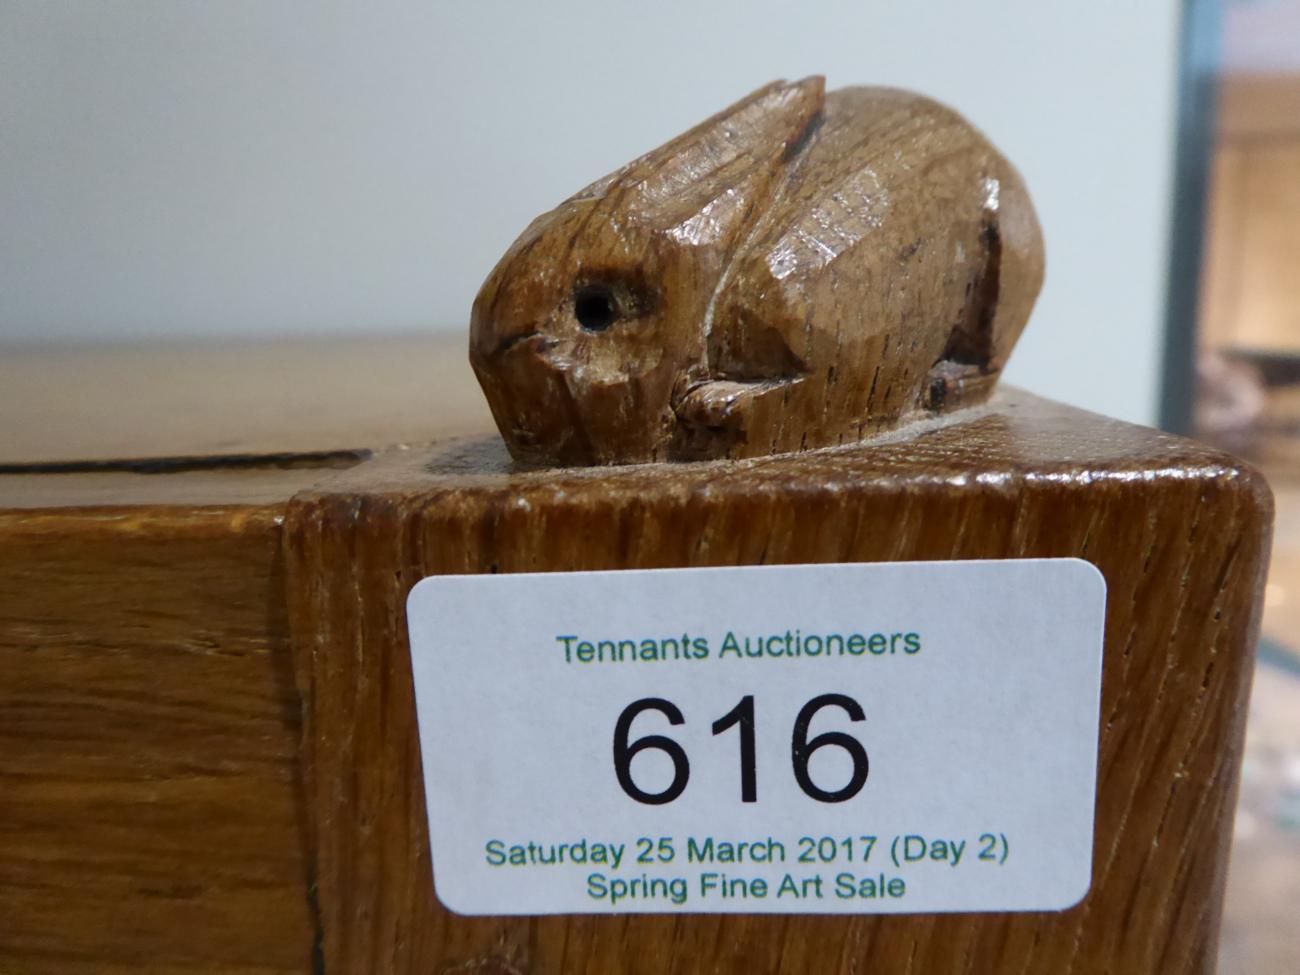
(479, 466)
(379, 499)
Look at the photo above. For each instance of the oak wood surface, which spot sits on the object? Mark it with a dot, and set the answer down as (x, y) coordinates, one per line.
(157, 813)
(151, 814)
(215, 486)
(1180, 532)
(60, 405)
(150, 804)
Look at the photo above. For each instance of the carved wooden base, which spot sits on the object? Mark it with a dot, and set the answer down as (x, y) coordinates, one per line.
(208, 755)
(1179, 531)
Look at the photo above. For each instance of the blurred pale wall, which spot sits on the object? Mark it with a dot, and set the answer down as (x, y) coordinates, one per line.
(247, 168)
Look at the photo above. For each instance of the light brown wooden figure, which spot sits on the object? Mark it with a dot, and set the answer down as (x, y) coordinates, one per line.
(800, 270)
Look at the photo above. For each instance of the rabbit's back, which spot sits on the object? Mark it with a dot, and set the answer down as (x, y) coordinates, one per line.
(893, 271)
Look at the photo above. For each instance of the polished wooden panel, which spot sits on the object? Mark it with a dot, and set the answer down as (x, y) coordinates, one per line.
(155, 814)
(1180, 532)
(109, 403)
(150, 806)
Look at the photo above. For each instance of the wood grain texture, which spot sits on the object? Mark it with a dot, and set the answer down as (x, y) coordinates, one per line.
(105, 403)
(150, 805)
(801, 270)
(1180, 532)
(215, 487)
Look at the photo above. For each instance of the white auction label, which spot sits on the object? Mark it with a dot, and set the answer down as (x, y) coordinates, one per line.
(865, 738)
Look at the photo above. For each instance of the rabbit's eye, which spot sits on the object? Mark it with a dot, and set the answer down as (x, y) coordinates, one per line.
(596, 307)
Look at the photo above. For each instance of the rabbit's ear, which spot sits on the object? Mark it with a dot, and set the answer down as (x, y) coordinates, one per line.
(740, 154)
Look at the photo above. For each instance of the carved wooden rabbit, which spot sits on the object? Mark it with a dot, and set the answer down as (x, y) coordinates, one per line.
(801, 270)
